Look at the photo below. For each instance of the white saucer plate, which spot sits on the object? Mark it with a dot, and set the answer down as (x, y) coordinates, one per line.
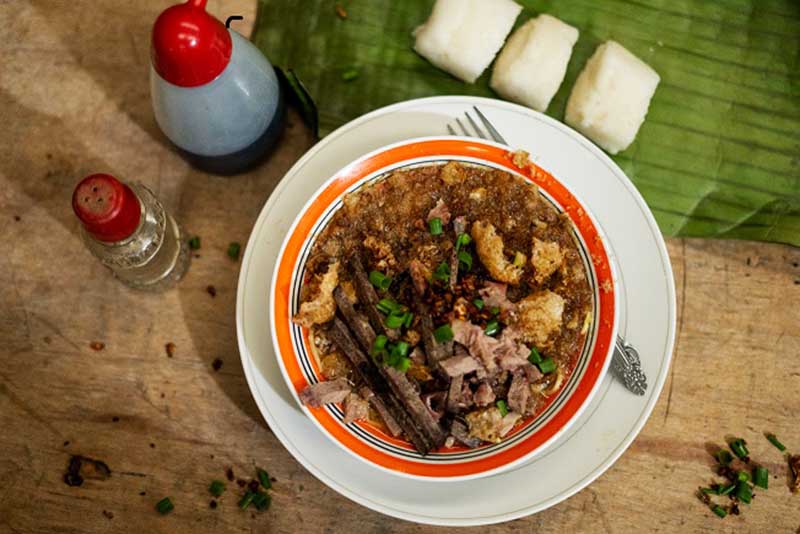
(607, 426)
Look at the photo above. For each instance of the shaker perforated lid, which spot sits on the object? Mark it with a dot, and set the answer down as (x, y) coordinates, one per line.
(189, 46)
(109, 210)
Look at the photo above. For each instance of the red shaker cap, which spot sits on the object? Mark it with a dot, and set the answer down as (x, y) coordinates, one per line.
(189, 46)
(108, 209)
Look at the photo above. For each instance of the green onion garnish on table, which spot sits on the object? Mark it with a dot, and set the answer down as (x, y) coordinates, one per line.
(246, 499)
(772, 439)
(261, 500)
(263, 477)
(503, 407)
(234, 249)
(435, 226)
(194, 243)
(547, 366)
(726, 490)
(743, 492)
(380, 280)
(492, 327)
(443, 334)
(743, 476)
(761, 477)
(165, 506)
(719, 510)
(216, 488)
(739, 448)
(724, 457)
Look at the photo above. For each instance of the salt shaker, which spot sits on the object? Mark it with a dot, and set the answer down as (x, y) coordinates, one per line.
(128, 230)
(214, 94)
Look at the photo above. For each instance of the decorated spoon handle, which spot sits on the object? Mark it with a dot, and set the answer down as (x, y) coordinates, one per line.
(627, 367)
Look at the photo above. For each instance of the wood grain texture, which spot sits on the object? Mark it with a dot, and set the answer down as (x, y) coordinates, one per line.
(74, 100)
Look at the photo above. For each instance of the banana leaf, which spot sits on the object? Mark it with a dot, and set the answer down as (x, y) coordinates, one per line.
(719, 153)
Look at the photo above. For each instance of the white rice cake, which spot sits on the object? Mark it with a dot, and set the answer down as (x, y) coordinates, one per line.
(463, 36)
(533, 63)
(611, 95)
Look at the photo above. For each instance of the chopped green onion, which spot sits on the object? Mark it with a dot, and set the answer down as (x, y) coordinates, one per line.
(725, 490)
(724, 457)
(743, 492)
(462, 240)
(435, 226)
(194, 243)
(407, 319)
(403, 364)
(379, 344)
(709, 491)
(246, 499)
(503, 407)
(719, 510)
(772, 439)
(547, 366)
(263, 477)
(465, 258)
(519, 259)
(742, 476)
(349, 75)
(233, 250)
(165, 506)
(492, 327)
(761, 477)
(388, 306)
(443, 334)
(442, 272)
(216, 488)
(395, 321)
(739, 447)
(478, 303)
(495, 310)
(380, 280)
(535, 358)
(261, 500)
(400, 348)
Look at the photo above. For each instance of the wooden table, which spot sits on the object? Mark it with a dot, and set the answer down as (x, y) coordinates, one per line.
(74, 100)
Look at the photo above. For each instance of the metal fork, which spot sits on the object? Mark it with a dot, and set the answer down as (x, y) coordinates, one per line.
(625, 363)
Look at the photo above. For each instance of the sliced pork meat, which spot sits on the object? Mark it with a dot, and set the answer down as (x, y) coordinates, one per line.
(454, 394)
(484, 395)
(439, 211)
(322, 307)
(459, 365)
(355, 408)
(460, 431)
(436, 403)
(477, 342)
(322, 393)
(518, 392)
(494, 296)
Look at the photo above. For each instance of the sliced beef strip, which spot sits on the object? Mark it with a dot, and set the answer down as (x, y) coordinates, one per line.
(460, 431)
(327, 392)
(519, 392)
(434, 350)
(357, 323)
(383, 411)
(368, 298)
(454, 395)
(367, 370)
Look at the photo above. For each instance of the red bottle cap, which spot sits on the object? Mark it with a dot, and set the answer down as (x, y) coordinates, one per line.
(189, 46)
(108, 209)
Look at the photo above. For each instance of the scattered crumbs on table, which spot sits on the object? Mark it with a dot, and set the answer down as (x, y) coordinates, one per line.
(216, 364)
(66, 444)
(81, 468)
(165, 506)
(170, 348)
(340, 11)
(152, 445)
(211, 290)
(234, 249)
(108, 514)
(748, 260)
(229, 474)
(163, 395)
(115, 419)
(197, 256)
(212, 456)
(797, 282)
(794, 465)
(253, 485)
(212, 504)
(241, 482)
(795, 264)
(17, 218)
(194, 242)
(48, 155)
(47, 339)
(142, 493)
(97, 345)
(302, 488)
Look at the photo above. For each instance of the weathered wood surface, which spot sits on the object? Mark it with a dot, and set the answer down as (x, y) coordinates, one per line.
(74, 100)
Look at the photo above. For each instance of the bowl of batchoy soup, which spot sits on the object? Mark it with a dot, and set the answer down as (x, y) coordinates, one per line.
(443, 308)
